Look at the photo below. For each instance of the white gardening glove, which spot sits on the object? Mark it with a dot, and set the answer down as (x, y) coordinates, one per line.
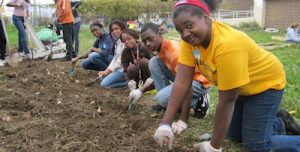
(135, 95)
(178, 127)
(206, 147)
(131, 85)
(164, 135)
(148, 82)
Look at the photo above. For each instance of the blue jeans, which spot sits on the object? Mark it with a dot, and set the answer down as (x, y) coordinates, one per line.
(22, 42)
(160, 73)
(75, 36)
(164, 94)
(115, 79)
(255, 124)
(162, 76)
(97, 62)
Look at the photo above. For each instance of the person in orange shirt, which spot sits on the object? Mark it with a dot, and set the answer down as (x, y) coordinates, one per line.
(66, 19)
(163, 68)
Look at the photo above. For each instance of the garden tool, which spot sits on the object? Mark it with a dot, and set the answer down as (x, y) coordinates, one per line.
(134, 96)
(142, 86)
(29, 38)
(129, 107)
(50, 55)
(72, 71)
(141, 83)
(39, 49)
(11, 59)
(164, 147)
(94, 80)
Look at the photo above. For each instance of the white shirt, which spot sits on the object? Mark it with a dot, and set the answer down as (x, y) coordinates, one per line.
(116, 64)
(292, 35)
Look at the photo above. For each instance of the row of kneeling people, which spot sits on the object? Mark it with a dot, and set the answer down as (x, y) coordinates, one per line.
(142, 61)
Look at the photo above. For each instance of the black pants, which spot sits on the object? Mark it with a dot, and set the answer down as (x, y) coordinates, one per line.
(2, 42)
(68, 31)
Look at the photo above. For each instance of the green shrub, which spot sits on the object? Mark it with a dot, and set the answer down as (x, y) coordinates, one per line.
(249, 26)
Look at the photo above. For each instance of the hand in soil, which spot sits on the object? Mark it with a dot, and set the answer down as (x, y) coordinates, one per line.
(164, 136)
(134, 96)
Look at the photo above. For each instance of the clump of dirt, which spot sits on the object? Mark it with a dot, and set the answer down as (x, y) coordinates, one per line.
(42, 110)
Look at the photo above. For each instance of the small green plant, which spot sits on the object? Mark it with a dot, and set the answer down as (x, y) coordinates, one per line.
(249, 26)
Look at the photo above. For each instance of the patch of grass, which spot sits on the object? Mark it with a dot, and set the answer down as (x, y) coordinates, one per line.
(249, 26)
(289, 57)
(260, 36)
(12, 35)
(86, 39)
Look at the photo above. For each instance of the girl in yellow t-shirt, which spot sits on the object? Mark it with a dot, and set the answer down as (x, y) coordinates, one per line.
(249, 79)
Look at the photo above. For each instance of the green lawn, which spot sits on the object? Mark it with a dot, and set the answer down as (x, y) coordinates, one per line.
(289, 56)
(12, 35)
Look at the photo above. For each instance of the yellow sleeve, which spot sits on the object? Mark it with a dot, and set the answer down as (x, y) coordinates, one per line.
(232, 68)
(186, 56)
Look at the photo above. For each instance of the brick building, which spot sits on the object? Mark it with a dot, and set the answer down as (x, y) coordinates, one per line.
(282, 13)
(277, 13)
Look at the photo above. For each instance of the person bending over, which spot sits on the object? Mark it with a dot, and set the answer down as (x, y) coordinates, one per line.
(135, 61)
(250, 82)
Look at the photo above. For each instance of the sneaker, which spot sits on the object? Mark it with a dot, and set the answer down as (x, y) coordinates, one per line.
(157, 108)
(21, 54)
(202, 106)
(27, 56)
(291, 126)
